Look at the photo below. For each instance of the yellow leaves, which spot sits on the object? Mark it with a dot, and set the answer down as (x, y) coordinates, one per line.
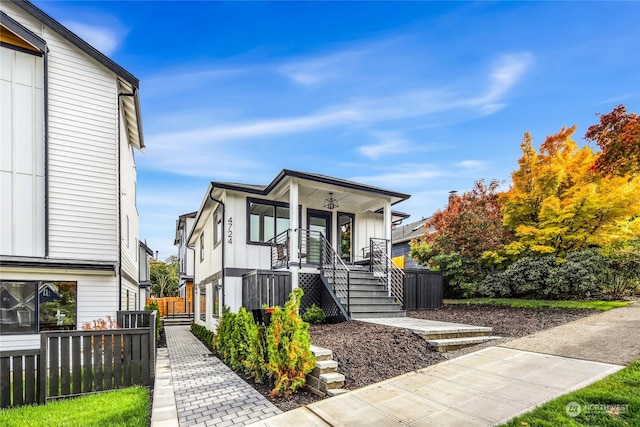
(557, 203)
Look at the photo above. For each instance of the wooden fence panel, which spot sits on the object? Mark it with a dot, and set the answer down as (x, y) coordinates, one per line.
(19, 380)
(423, 289)
(70, 363)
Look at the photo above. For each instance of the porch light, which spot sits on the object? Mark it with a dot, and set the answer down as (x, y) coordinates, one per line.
(330, 202)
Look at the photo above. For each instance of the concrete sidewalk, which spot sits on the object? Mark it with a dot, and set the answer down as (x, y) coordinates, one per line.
(610, 336)
(484, 388)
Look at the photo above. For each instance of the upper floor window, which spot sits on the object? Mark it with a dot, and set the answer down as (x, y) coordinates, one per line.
(266, 220)
(217, 236)
(201, 247)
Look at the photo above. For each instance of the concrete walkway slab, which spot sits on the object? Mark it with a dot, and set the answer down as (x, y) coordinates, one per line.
(426, 327)
(611, 336)
(207, 392)
(484, 388)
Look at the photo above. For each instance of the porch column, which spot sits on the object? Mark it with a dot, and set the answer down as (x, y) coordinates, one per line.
(387, 236)
(294, 250)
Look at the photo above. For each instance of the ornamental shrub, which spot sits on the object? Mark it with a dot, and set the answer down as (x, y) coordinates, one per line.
(203, 334)
(314, 315)
(255, 365)
(241, 332)
(223, 341)
(288, 343)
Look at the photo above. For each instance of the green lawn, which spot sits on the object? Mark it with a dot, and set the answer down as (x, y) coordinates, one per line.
(512, 302)
(611, 402)
(128, 407)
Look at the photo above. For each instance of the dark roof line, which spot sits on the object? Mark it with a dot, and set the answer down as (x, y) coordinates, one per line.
(77, 41)
(23, 32)
(259, 189)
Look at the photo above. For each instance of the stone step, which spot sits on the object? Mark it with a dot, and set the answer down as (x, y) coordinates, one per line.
(176, 321)
(331, 380)
(374, 306)
(455, 333)
(450, 344)
(321, 353)
(324, 367)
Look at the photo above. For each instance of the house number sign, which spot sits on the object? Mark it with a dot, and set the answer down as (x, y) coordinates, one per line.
(229, 230)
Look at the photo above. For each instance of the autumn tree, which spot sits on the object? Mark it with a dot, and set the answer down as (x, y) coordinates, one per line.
(556, 203)
(164, 277)
(618, 136)
(470, 225)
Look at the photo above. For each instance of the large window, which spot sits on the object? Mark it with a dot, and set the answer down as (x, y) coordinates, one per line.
(345, 236)
(266, 220)
(203, 303)
(29, 307)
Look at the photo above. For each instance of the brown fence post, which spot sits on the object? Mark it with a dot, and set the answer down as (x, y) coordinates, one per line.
(152, 347)
(42, 369)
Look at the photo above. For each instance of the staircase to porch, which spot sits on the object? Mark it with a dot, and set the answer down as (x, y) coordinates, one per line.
(369, 299)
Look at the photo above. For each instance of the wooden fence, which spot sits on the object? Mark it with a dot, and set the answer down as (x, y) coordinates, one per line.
(71, 363)
(423, 289)
(169, 306)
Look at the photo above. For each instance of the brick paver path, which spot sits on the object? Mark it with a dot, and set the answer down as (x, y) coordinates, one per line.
(207, 392)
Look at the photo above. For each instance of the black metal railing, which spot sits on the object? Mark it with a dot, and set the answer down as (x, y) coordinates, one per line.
(280, 250)
(335, 271)
(385, 270)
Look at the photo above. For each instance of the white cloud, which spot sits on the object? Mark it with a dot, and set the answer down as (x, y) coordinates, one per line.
(472, 164)
(402, 176)
(313, 71)
(389, 143)
(105, 39)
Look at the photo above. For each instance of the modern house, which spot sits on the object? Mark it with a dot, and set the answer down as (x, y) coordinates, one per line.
(330, 236)
(184, 225)
(401, 237)
(70, 125)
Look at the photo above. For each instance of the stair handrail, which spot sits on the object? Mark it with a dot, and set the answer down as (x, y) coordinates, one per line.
(389, 275)
(335, 271)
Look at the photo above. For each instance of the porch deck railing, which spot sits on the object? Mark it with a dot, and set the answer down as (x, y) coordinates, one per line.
(385, 270)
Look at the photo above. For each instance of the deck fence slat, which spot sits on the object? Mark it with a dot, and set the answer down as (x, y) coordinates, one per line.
(97, 360)
(117, 363)
(76, 363)
(127, 361)
(18, 384)
(87, 369)
(5, 381)
(54, 364)
(65, 367)
(30, 379)
(135, 358)
(108, 363)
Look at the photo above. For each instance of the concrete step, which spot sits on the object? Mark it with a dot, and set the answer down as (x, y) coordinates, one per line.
(331, 380)
(450, 344)
(378, 314)
(357, 293)
(375, 289)
(176, 321)
(336, 392)
(374, 306)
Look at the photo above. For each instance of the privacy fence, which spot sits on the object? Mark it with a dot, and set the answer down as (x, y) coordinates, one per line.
(71, 363)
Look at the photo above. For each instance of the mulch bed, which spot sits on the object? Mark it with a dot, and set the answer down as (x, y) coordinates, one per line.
(368, 353)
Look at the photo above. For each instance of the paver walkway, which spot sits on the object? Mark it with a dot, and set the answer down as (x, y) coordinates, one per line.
(207, 392)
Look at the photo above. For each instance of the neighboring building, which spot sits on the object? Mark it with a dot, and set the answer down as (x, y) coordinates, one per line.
(282, 232)
(184, 225)
(401, 237)
(70, 124)
(145, 256)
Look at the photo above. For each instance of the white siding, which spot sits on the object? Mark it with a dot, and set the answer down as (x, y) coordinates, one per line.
(82, 154)
(128, 188)
(22, 153)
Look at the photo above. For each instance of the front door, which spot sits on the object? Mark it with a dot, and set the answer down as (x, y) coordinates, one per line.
(319, 222)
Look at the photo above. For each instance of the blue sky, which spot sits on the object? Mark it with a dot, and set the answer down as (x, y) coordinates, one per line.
(418, 97)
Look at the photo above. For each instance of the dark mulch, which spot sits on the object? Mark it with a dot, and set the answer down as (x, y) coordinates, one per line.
(368, 353)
